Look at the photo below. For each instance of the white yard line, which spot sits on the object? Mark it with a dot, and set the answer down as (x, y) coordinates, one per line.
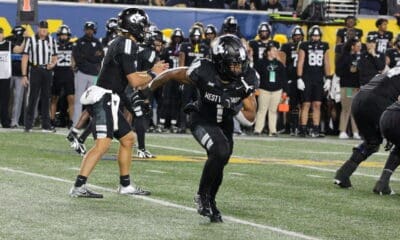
(168, 204)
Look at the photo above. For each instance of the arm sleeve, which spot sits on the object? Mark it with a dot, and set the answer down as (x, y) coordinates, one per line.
(127, 62)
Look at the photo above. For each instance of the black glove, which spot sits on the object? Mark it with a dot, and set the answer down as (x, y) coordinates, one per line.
(247, 89)
(191, 107)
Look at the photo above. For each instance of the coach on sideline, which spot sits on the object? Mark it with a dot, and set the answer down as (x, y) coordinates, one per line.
(41, 53)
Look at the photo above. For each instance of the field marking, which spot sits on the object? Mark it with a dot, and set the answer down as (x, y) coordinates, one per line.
(315, 176)
(168, 204)
(237, 174)
(155, 171)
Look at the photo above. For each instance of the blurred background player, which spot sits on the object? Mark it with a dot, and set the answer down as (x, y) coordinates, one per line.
(290, 56)
(258, 46)
(169, 112)
(63, 79)
(188, 52)
(210, 33)
(313, 65)
(393, 54)
(383, 36)
(111, 33)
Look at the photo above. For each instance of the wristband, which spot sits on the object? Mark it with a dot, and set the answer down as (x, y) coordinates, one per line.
(151, 74)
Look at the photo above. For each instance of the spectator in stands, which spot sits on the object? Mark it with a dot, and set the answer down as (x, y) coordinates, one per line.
(349, 23)
(393, 54)
(371, 62)
(240, 4)
(393, 8)
(17, 40)
(209, 4)
(370, 7)
(178, 3)
(346, 69)
(158, 2)
(5, 76)
(269, 5)
(88, 54)
(383, 37)
(273, 81)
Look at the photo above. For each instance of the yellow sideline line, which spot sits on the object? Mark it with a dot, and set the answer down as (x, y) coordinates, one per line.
(179, 158)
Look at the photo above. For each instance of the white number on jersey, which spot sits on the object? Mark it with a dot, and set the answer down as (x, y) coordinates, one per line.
(315, 58)
(64, 58)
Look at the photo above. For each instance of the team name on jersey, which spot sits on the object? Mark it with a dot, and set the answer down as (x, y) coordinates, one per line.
(198, 55)
(217, 98)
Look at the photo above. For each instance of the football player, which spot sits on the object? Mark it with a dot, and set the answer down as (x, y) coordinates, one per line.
(117, 71)
(313, 65)
(393, 54)
(63, 74)
(290, 56)
(349, 23)
(367, 108)
(384, 37)
(223, 84)
(257, 47)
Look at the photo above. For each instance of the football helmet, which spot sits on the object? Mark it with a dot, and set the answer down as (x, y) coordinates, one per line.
(195, 34)
(227, 50)
(90, 25)
(314, 31)
(112, 24)
(211, 29)
(64, 30)
(133, 21)
(264, 27)
(230, 25)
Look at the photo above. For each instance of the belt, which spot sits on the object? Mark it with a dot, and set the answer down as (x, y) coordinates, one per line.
(44, 66)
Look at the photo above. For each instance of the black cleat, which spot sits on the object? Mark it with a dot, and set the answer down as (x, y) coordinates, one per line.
(343, 183)
(382, 188)
(216, 214)
(203, 205)
(83, 192)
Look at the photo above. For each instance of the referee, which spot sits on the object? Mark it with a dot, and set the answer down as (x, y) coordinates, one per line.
(40, 53)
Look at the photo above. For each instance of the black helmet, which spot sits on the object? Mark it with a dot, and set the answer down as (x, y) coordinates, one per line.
(297, 30)
(112, 24)
(133, 21)
(90, 25)
(228, 49)
(230, 25)
(18, 30)
(195, 34)
(211, 29)
(315, 31)
(64, 30)
(264, 26)
(177, 33)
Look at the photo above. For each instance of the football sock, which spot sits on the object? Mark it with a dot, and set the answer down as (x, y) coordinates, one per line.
(80, 180)
(125, 180)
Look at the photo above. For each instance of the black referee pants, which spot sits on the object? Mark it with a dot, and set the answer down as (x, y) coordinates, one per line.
(39, 86)
(4, 102)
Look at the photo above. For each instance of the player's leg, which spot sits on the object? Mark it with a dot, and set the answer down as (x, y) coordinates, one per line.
(127, 139)
(389, 123)
(218, 149)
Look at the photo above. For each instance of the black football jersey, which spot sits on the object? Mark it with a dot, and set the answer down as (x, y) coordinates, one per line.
(193, 52)
(342, 33)
(211, 91)
(147, 57)
(171, 56)
(383, 41)
(120, 61)
(291, 51)
(314, 56)
(394, 56)
(64, 56)
(386, 86)
(259, 47)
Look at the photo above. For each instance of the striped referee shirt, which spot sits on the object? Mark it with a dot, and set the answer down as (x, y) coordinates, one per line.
(40, 51)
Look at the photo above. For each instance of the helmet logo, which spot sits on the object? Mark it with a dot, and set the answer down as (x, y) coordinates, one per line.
(136, 18)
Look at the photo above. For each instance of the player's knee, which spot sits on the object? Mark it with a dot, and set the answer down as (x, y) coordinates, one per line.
(128, 140)
(367, 149)
(221, 151)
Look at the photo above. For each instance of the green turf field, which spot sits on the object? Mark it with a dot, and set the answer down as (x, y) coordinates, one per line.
(274, 188)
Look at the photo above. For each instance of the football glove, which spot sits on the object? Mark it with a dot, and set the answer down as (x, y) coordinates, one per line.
(300, 84)
(327, 84)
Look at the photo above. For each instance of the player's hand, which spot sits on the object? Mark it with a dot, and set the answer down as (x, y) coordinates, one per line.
(159, 67)
(327, 84)
(300, 84)
(25, 81)
(248, 89)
